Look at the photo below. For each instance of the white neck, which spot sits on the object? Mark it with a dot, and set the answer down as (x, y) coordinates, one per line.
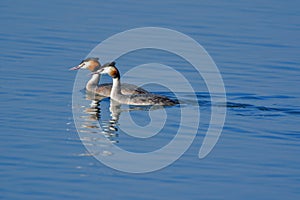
(116, 89)
(92, 84)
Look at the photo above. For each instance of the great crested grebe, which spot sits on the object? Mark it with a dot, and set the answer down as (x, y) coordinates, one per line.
(131, 99)
(92, 85)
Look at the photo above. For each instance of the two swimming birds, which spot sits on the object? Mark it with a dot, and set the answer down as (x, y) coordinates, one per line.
(123, 93)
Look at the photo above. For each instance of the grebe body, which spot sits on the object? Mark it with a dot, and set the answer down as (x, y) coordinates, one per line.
(132, 99)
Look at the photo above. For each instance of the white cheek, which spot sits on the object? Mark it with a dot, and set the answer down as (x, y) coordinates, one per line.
(85, 65)
(106, 71)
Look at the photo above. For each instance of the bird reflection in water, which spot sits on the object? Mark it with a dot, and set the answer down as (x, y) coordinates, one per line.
(98, 126)
(95, 122)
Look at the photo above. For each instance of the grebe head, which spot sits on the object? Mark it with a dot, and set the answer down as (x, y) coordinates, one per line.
(110, 69)
(91, 64)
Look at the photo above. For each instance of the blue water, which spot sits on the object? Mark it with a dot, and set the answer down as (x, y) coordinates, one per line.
(255, 45)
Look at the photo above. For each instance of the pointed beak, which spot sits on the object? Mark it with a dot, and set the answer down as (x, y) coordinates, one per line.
(77, 67)
(74, 68)
(99, 71)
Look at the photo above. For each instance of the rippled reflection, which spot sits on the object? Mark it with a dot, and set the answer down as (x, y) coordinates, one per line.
(99, 122)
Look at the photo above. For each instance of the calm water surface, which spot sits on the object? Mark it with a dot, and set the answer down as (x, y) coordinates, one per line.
(255, 44)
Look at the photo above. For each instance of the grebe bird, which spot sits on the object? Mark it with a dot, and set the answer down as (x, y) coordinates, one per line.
(92, 85)
(131, 99)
